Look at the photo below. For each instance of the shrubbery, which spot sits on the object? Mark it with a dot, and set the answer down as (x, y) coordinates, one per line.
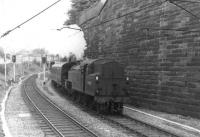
(77, 7)
(36, 62)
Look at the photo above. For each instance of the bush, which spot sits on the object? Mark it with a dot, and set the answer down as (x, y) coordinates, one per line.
(36, 62)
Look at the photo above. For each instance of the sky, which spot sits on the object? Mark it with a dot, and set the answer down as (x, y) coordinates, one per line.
(41, 31)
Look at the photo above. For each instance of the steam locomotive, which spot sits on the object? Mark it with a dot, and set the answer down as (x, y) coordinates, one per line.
(97, 83)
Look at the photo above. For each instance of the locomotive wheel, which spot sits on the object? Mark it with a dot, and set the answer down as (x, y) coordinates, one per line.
(98, 107)
(56, 85)
(87, 101)
(81, 99)
(102, 108)
(120, 108)
(92, 105)
(111, 107)
(120, 111)
(73, 96)
(67, 92)
(70, 93)
(84, 100)
(78, 98)
(105, 108)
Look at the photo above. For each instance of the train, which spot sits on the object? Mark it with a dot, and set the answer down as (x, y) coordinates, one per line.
(97, 83)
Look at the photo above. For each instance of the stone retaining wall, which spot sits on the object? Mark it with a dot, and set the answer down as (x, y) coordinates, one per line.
(158, 45)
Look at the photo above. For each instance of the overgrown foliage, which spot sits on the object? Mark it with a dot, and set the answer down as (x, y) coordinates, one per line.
(39, 51)
(8, 56)
(1, 52)
(72, 57)
(77, 7)
(64, 59)
(36, 62)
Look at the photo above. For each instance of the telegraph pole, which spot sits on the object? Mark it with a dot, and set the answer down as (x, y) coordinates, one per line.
(22, 65)
(44, 60)
(28, 61)
(14, 60)
(5, 67)
(21, 24)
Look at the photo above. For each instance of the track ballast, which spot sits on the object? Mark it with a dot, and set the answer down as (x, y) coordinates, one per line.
(60, 122)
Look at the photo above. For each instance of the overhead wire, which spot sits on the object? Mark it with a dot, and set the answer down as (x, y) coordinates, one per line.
(166, 29)
(120, 16)
(96, 15)
(172, 2)
(105, 21)
(150, 28)
(18, 26)
(158, 4)
(181, 30)
(187, 1)
(101, 23)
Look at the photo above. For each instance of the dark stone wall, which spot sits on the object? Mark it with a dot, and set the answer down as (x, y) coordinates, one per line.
(164, 65)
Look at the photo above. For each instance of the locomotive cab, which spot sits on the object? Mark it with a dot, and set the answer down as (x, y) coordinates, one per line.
(105, 81)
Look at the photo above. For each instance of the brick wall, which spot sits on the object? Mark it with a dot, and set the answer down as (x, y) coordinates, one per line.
(164, 65)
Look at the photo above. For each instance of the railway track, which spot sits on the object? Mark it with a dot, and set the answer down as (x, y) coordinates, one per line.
(126, 124)
(140, 128)
(130, 126)
(59, 122)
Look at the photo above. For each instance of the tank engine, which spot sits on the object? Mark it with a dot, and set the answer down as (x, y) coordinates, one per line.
(98, 83)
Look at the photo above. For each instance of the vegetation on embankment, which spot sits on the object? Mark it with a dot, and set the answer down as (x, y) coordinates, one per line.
(77, 7)
(20, 70)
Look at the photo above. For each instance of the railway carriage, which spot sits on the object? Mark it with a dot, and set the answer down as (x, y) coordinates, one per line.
(59, 72)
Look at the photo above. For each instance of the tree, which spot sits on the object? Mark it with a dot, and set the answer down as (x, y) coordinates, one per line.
(39, 51)
(72, 57)
(64, 59)
(77, 7)
(1, 52)
(57, 57)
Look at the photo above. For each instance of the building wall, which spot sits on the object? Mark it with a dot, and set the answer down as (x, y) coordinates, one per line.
(164, 65)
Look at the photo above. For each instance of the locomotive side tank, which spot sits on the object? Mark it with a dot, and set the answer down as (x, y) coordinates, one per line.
(76, 80)
(101, 83)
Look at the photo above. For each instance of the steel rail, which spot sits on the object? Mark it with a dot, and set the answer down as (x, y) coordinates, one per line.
(135, 122)
(129, 121)
(49, 122)
(186, 127)
(74, 121)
